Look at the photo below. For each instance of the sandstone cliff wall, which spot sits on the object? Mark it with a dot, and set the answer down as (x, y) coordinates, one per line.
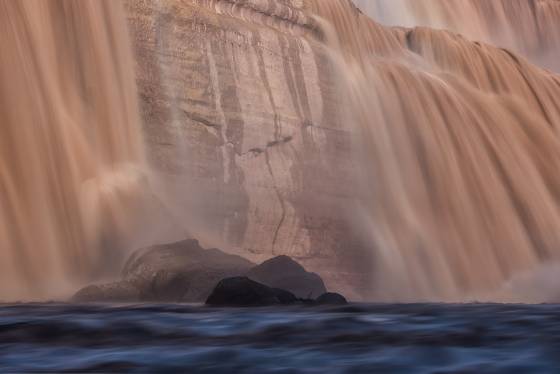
(243, 128)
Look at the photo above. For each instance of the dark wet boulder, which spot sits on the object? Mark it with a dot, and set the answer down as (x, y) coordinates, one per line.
(244, 292)
(331, 298)
(285, 273)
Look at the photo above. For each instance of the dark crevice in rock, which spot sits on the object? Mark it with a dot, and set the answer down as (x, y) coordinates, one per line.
(283, 140)
(199, 119)
(280, 200)
(273, 143)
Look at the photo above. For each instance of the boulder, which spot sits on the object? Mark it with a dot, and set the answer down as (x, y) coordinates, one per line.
(176, 272)
(186, 272)
(244, 292)
(285, 273)
(331, 298)
(122, 291)
(182, 271)
(183, 256)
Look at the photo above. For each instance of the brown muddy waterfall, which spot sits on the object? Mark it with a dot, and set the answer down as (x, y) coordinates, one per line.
(70, 142)
(460, 145)
(455, 105)
(529, 27)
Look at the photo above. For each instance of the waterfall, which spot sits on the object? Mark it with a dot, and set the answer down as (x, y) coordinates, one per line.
(458, 150)
(455, 104)
(529, 27)
(71, 150)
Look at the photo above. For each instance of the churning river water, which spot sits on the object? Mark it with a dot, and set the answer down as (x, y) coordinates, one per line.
(358, 338)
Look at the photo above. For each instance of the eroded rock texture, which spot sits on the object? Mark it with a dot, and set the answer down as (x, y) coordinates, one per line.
(243, 128)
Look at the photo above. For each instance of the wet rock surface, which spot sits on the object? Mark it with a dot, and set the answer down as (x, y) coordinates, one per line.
(121, 291)
(242, 291)
(331, 298)
(285, 273)
(245, 292)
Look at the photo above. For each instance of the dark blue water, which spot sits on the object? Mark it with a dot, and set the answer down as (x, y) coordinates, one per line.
(422, 338)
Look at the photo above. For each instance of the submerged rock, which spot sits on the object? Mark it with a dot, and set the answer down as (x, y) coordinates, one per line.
(242, 291)
(331, 298)
(285, 273)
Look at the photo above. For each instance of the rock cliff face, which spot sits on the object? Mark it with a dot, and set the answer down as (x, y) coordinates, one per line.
(243, 129)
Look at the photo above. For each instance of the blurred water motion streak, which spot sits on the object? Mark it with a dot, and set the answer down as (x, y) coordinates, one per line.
(70, 141)
(460, 156)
